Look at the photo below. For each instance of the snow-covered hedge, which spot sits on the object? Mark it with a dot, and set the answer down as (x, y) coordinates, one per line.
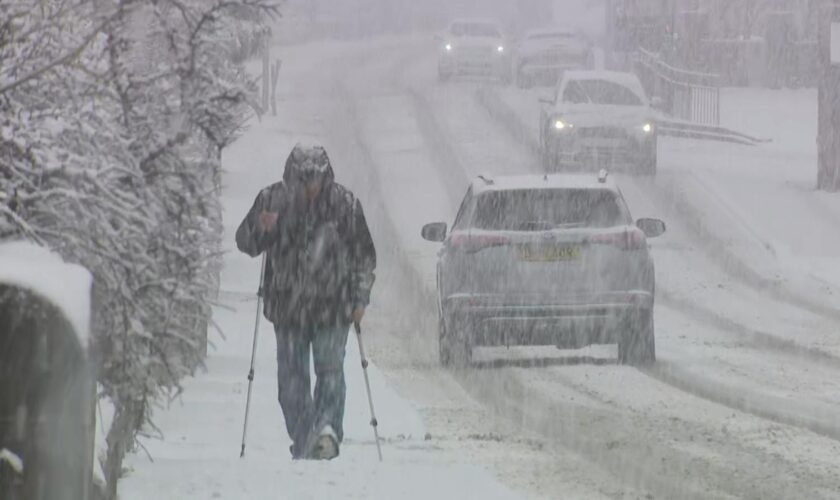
(112, 119)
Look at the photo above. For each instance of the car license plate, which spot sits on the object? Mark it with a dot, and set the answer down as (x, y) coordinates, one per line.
(549, 253)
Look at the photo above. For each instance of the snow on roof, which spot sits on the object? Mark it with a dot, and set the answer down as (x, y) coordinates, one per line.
(43, 272)
(555, 181)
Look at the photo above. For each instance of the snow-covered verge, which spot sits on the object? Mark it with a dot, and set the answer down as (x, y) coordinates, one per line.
(198, 455)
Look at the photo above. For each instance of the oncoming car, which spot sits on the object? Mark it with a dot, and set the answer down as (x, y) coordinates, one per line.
(553, 260)
(473, 47)
(599, 119)
(544, 55)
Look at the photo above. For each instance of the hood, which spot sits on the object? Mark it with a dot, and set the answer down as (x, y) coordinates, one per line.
(306, 161)
(604, 115)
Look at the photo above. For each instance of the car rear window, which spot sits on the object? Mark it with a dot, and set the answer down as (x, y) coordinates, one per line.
(546, 209)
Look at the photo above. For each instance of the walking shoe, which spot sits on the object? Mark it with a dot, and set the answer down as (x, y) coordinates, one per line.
(326, 445)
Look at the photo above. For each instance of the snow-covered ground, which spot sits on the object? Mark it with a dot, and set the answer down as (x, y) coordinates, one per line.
(742, 403)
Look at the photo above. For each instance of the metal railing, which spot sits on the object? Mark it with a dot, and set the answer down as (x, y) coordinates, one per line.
(685, 95)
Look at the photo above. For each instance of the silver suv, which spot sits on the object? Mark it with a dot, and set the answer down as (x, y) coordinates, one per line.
(599, 119)
(552, 260)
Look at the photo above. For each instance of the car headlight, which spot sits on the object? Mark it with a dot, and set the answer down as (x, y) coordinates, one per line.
(500, 49)
(561, 125)
(448, 47)
(647, 128)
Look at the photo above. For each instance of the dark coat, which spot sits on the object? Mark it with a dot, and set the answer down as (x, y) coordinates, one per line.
(321, 257)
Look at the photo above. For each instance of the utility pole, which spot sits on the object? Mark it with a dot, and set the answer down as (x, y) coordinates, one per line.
(828, 136)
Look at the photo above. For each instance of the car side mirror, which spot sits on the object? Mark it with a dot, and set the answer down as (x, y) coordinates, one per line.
(651, 227)
(435, 231)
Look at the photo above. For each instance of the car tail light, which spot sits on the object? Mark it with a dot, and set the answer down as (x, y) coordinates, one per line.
(631, 239)
(472, 243)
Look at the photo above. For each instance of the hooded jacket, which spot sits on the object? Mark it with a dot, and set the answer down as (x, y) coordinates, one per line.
(320, 255)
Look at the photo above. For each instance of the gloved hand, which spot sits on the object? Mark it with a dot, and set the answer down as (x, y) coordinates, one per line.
(358, 314)
(267, 220)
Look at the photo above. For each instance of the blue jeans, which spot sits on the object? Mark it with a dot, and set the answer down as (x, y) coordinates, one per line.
(303, 413)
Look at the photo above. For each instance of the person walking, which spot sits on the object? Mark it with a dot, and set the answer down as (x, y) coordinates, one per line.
(319, 271)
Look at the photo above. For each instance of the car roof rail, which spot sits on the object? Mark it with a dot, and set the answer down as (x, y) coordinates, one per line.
(602, 176)
(487, 179)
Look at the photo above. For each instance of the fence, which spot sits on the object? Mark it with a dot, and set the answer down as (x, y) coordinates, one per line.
(686, 95)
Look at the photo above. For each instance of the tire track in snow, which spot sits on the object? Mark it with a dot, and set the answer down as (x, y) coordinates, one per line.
(773, 408)
(727, 260)
(673, 458)
(754, 337)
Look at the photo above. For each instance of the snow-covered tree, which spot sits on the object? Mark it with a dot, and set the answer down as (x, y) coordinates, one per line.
(113, 115)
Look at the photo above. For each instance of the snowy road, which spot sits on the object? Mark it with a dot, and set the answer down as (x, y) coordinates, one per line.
(743, 402)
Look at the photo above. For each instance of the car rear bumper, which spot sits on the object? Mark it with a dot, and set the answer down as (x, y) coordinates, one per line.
(573, 322)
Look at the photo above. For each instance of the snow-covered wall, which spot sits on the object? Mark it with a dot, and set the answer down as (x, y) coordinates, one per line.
(67, 286)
